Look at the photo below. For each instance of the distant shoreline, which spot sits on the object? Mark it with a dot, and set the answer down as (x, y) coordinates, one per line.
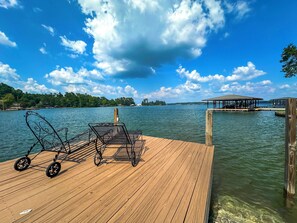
(29, 109)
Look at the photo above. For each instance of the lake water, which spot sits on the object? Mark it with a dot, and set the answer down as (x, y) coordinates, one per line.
(249, 151)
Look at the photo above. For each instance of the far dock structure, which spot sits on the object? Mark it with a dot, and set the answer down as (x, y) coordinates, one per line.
(234, 102)
(171, 183)
(280, 102)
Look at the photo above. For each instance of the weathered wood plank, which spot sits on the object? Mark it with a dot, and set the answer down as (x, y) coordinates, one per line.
(175, 192)
(116, 115)
(141, 206)
(200, 194)
(208, 127)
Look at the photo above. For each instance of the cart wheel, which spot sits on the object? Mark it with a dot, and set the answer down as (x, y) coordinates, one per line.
(22, 163)
(53, 169)
(98, 158)
(133, 159)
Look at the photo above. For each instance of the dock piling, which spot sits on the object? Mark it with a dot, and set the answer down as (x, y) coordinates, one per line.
(208, 128)
(290, 148)
(116, 115)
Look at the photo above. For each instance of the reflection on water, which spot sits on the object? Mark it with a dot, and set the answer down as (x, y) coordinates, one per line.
(249, 151)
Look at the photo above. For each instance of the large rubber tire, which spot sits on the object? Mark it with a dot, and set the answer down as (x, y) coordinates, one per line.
(133, 159)
(97, 158)
(22, 163)
(53, 169)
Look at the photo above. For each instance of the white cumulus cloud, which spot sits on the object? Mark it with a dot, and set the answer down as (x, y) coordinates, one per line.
(239, 8)
(129, 90)
(241, 73)
(245, 73)
(196, 77)
(284, 86)
(266, 82)
(262, 87)
(43, 49)
(8, 73)
(86, 81)
(9, 76)
(50, 29)
(76, 89)
(32, 86)
(66, 76)
(196, 84)
(133, 38)
(174, 92)
(99, 89)
(242, 8)
(4, 40)
(78, 47)
(8, 4)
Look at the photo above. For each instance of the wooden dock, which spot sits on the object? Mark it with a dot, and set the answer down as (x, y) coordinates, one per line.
(245, 109)
(172, 183)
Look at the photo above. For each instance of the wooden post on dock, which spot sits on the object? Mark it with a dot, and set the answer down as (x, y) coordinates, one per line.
(116, 115)
(290, 150)
(208, 128)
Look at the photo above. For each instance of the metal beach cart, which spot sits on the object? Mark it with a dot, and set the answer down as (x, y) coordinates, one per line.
(52, 140)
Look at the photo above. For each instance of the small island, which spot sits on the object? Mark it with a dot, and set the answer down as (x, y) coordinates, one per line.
(146, 102)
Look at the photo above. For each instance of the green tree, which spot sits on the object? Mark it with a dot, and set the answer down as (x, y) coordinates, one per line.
(125, 101)
(289, 60)
(71, 99)
(145, 102)
(5, 89)
(8, 99)
(112, 102)
(103, 101)
(17, 94)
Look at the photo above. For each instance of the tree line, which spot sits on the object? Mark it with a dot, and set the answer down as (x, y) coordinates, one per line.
(10, 96)
(146, 102)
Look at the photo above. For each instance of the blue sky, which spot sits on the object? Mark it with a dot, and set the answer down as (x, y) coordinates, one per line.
(172, 50)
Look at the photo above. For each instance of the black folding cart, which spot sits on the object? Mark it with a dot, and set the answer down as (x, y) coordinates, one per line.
(52, 140)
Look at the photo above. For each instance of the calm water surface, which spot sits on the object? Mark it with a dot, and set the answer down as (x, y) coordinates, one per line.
(249, 151)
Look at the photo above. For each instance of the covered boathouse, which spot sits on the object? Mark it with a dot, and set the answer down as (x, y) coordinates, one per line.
(280, 102)
(233, 101)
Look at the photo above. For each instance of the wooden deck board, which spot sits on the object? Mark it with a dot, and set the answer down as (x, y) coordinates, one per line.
(162, 188)
(80, 201)
(148, 189)
(172, 182)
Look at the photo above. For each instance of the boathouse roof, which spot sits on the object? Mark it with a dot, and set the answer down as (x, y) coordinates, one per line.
(283, 98)
(232, 97)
